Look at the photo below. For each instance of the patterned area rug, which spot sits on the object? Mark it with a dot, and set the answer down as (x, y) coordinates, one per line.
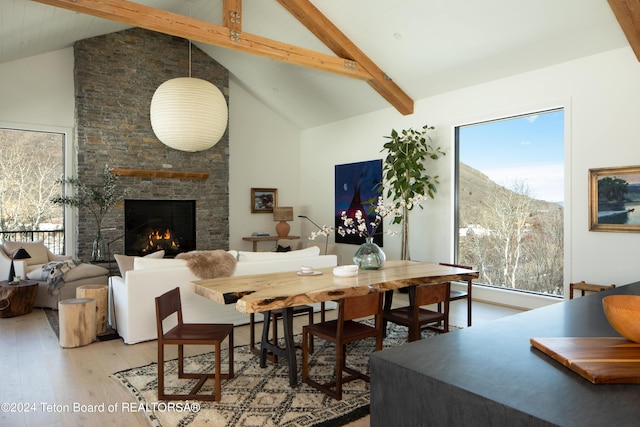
(256, 396)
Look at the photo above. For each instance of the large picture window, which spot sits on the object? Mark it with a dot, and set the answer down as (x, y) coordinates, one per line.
(510, 201)
(31, 163)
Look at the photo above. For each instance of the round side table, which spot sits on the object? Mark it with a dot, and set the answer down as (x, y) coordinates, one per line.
(17, 299)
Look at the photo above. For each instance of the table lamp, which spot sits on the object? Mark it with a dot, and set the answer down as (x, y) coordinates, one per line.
(20, 254)
(283, 214)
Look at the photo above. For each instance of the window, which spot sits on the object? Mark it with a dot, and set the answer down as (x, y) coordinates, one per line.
(31, 162)
(510, 196)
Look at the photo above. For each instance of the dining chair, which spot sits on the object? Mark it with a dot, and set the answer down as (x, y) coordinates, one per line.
(342, 331)
(415, 317)
(587, 287)
(181, 334)
(455, 294)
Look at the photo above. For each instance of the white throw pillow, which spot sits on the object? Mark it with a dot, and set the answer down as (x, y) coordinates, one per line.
(155, 264)
(266, 256)
(125, 262)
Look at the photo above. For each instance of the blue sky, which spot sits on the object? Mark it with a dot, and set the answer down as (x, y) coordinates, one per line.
(527, 149)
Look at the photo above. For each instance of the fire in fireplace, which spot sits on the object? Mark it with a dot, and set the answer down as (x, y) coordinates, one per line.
(153, 225)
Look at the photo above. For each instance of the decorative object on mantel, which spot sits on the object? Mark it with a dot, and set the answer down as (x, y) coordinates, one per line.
(406, 180)
(149, 173)
(98, 199)
(283, 214)
(188, 114)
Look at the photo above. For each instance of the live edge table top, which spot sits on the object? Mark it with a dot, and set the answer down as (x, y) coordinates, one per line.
(264, 292)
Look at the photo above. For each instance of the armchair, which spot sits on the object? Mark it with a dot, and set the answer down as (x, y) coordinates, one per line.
(31, 268)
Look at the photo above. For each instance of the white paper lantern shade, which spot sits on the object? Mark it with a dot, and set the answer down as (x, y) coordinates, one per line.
(188, 114)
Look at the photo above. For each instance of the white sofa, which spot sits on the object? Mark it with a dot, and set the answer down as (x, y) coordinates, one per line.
(133, 297)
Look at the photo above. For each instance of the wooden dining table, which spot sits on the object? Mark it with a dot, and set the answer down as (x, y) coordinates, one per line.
(262, 293)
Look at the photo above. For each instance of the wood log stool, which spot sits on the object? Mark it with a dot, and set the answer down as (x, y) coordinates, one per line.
(17, 299)
(77, 322)
(100, 293)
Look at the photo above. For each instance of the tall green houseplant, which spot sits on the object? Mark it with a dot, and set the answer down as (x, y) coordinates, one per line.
(407, 182)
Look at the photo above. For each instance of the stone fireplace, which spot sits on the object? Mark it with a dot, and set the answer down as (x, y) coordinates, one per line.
(115, 76)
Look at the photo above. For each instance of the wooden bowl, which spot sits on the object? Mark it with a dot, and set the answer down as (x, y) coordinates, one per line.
(623, 313)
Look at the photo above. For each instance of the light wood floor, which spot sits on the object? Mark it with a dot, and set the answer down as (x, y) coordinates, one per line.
(38, 373)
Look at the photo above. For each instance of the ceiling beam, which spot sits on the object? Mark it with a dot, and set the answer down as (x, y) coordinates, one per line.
(342, 46)
(627, 13)
(138, 15)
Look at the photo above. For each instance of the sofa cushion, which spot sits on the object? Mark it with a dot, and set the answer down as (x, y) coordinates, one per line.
(125, 262)
(209, 264)
(266, 256)
(146, 263)
(37, 250)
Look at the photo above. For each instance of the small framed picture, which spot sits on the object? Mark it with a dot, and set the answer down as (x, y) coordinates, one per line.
(614, 199)
(263, 200)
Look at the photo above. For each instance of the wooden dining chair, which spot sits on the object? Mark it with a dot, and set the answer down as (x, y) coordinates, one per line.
(587, 287)
(341, 332)
(415, 317)
(459, 295)
(182, 334)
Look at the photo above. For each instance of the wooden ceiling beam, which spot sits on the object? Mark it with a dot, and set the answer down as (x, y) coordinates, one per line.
(627, 13)
(342, 46)
(138, 15)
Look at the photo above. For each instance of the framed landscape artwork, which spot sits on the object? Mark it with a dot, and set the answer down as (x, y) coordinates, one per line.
(614, 199)
(355, 185)
(263, 200)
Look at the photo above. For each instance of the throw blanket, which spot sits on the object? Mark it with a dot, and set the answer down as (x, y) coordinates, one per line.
(210, 264)
(53, 273)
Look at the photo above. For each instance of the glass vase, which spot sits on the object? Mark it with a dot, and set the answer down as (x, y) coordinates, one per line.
(369, 256)
(98, 248)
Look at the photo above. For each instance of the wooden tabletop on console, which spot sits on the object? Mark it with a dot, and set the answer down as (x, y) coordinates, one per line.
(263, 292)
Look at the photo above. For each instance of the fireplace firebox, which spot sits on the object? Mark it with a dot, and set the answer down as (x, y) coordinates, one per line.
(153, 225)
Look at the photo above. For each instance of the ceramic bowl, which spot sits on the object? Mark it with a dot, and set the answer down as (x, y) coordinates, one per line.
(623, 313)
(346, 271)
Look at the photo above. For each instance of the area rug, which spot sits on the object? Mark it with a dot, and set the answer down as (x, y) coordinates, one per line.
(256, 396)
(54, 324)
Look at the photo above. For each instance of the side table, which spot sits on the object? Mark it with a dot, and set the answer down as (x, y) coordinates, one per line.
(17, 299)
(256, 239)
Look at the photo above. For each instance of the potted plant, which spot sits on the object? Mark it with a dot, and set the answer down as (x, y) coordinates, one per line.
(407, 182)
(98, 199)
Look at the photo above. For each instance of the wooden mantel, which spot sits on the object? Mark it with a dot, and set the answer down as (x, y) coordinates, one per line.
(148, 173)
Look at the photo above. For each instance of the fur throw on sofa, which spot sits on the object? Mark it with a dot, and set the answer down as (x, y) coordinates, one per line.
(210, 264)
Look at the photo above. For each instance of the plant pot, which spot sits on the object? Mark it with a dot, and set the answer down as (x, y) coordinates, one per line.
(98, 248)
(369, 256)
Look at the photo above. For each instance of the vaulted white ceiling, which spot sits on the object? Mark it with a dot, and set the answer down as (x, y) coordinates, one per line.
(426, 46)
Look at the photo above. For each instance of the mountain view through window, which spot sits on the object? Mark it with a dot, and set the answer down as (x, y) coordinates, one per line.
(510, 191)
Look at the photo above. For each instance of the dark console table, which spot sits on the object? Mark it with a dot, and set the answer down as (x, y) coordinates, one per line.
(489, 375)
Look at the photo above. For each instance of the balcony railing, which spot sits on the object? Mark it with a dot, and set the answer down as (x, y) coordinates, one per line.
(54, 239)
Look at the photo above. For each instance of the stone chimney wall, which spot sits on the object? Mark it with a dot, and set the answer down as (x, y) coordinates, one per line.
(115, 78)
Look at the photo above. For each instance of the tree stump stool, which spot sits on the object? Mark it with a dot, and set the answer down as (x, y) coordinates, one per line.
(100, 293)
(77, 322)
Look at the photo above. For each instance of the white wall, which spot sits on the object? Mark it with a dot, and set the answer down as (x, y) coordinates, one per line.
(264, 153)
(39, 90)
(601, 95)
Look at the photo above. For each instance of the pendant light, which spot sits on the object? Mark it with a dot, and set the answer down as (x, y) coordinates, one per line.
(188, 114)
